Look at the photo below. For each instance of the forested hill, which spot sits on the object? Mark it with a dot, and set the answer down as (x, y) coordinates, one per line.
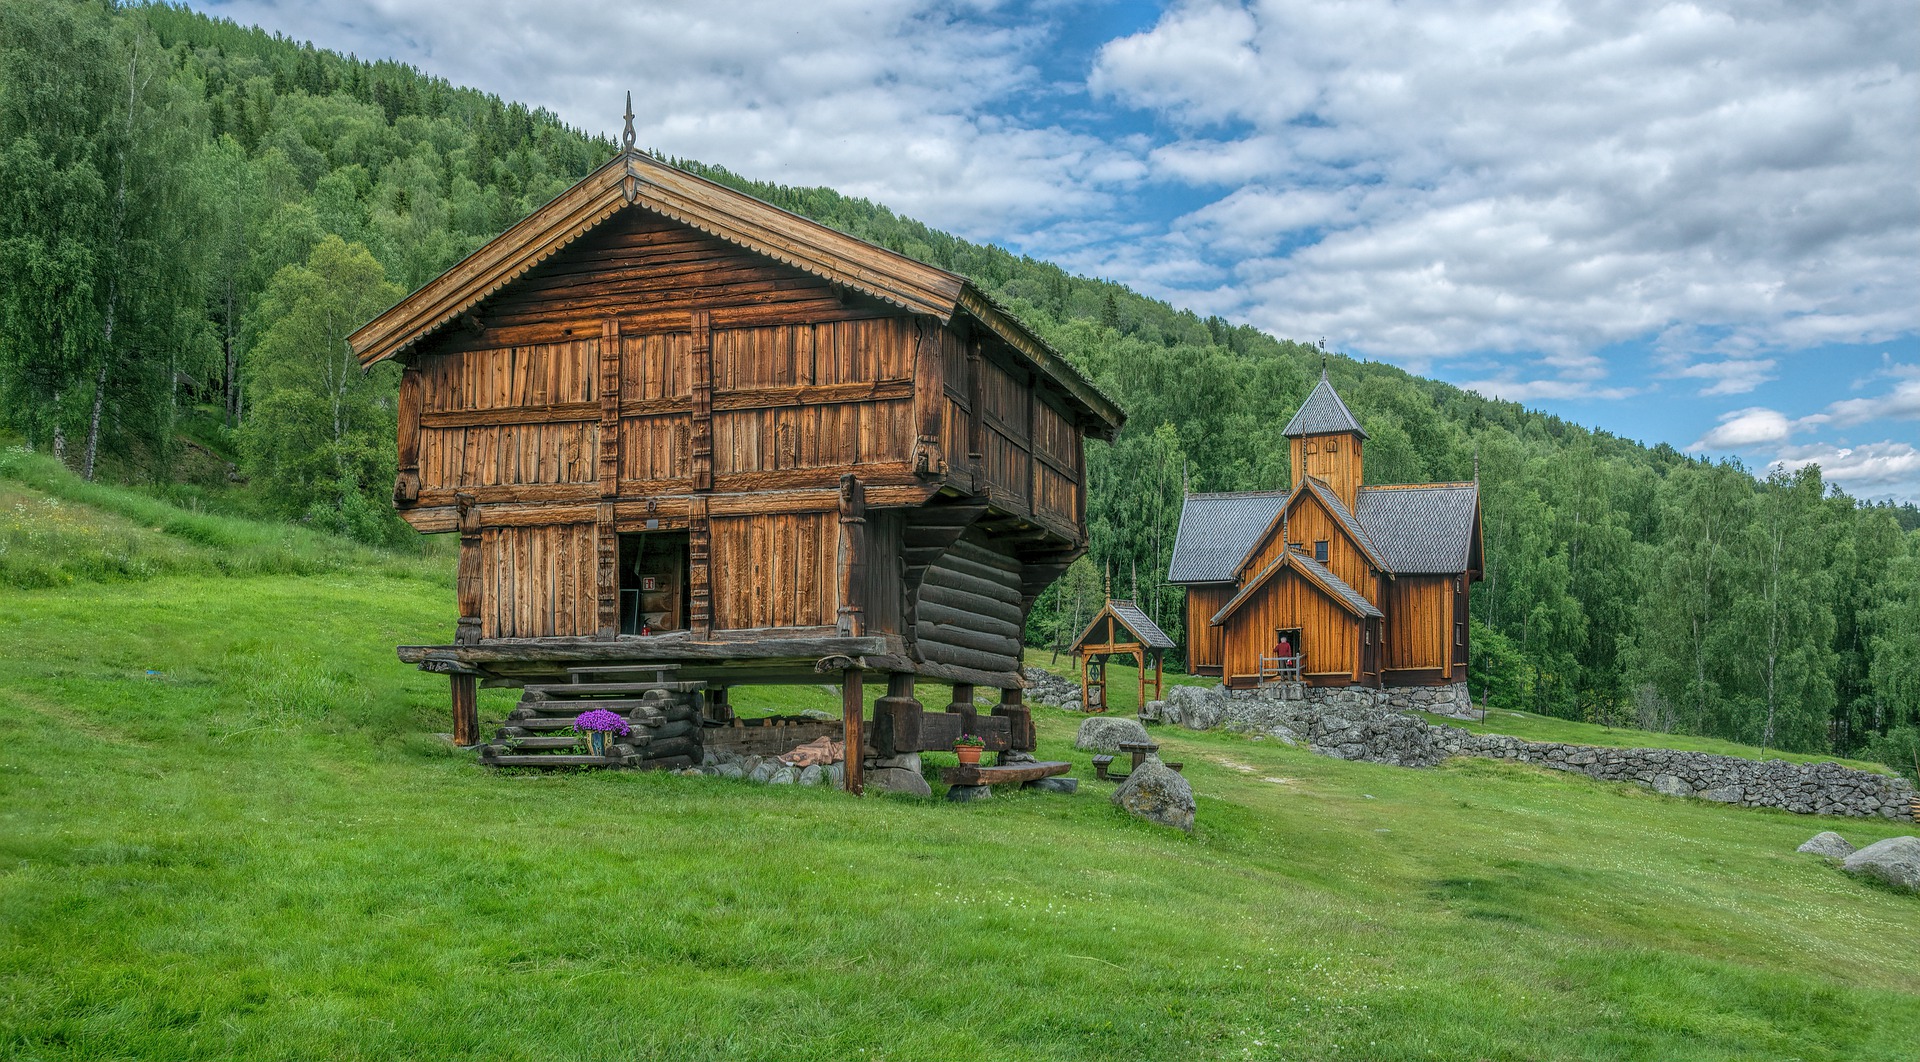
(193, 215)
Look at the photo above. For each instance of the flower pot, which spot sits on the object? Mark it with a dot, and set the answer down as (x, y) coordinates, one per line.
(969, 755)
(600, 742)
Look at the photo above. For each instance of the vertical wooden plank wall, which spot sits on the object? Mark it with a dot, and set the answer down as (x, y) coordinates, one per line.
(1206, 644)
(1420, 633)
(1329, 634)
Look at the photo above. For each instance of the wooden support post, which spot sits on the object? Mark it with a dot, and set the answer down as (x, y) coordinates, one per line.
(929, 397)
(467, 583)
(853, 705)
(1020, 735)
(699, 568)
(607, 582)
(962, 705)
(1140, 679)
(406, 485)
(466, 710)
(608, 465)
(851, 620)
(702, 442)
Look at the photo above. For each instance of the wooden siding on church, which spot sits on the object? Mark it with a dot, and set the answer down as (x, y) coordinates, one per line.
(1206, 644)
(1419, 630)
(1333, 459)
(1329, 635)
(1310, 522)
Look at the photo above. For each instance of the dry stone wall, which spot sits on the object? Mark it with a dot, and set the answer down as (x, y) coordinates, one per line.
(1358, 726)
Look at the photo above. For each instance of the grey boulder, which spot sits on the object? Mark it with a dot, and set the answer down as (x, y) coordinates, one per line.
(1158, 794)
(962, 794)
(1895, 861)
(1195, 707)
(897, 780)
(1827, 843)
(1101, 733)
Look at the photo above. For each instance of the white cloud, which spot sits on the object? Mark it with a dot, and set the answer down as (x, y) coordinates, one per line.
(1901, 403)
(1746, 427)
(918, 104)
(1734, 376)
(1872, 469)
(1420, 180)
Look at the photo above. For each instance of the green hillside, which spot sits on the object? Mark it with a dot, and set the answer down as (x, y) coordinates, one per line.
(226, 831)
(181, 265)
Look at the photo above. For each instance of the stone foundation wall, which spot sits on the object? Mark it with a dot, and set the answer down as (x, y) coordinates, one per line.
(1356, 725)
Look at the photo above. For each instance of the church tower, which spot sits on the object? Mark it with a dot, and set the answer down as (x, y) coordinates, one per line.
(1325, 442)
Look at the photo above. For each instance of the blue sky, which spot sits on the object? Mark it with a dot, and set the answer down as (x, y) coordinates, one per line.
(1691, 223)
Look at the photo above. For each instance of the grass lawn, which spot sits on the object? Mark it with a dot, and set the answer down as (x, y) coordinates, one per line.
(226, 832)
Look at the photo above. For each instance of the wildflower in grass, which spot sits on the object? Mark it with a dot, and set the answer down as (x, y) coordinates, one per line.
(602, 720)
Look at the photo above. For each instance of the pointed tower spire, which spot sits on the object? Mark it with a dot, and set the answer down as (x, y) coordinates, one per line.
(626, 136)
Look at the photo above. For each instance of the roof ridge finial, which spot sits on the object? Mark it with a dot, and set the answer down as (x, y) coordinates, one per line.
(626, 136)
(1109, 578)
(1476, 462)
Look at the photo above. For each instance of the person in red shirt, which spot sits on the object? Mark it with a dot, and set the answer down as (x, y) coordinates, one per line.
(1283, 648)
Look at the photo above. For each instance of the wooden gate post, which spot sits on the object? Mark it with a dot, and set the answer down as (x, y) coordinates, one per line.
(853, 705)
(466, 710)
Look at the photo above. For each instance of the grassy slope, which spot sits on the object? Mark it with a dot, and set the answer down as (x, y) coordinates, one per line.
(224, 833)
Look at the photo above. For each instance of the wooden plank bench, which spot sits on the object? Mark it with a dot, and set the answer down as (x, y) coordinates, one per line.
(1013, 772)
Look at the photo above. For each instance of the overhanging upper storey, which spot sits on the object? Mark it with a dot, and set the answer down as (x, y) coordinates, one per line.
(634, 180)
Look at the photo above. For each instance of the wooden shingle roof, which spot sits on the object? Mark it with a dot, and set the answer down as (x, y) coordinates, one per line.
(634, 179)
(1217, 530)
(1128, 615)
(1421, 527)
(1314, 572)
(1322, 413)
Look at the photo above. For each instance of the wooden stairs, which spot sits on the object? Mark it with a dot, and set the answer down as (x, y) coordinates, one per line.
(664, 714)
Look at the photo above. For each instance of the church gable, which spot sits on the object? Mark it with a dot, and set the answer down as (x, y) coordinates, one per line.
(1318, 526)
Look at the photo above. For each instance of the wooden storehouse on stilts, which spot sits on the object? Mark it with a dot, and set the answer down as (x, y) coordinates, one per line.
(691, 441)
(1120, 628)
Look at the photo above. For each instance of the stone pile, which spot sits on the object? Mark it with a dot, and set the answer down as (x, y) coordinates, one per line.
(1045, 687)
(895, 774)
(1354, 725)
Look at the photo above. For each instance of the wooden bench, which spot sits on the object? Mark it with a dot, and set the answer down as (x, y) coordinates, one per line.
(1013, 772)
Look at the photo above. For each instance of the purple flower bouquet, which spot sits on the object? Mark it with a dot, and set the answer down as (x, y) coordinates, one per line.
(602, 721)
(600, 727)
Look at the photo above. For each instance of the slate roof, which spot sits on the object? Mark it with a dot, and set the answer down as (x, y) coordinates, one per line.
(1140, 624)
(1421, 528)
(1323, 412)
(1217, 530)
(1314, 572)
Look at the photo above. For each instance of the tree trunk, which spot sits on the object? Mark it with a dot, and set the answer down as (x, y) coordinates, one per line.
(99, 401)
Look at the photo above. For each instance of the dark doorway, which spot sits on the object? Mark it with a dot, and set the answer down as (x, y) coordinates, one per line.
(654, 591)
(1287, 664)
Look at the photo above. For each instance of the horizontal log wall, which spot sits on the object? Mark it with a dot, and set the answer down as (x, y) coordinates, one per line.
(777, 570)
(538, 582)
(969, 608)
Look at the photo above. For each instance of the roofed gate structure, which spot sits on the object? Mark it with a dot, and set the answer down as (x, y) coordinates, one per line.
(1119, 628)
(1367, 584)
(675, 426)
